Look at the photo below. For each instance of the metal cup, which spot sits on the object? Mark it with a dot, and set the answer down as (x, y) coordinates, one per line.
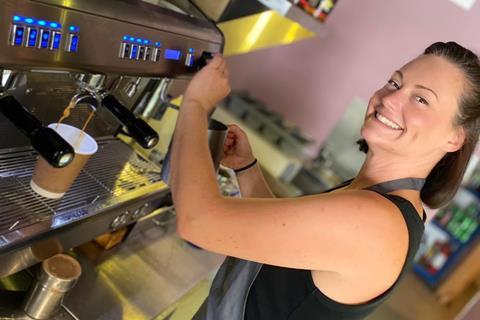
(58, 275)
(217, 132)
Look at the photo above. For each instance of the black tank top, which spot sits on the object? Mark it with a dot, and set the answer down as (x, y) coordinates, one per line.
(290, 294)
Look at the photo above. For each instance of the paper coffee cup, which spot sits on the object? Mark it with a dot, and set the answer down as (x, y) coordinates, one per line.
(51, 182)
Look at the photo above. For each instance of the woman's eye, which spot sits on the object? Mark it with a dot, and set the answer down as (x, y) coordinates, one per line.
(393, 84)
(421, 100)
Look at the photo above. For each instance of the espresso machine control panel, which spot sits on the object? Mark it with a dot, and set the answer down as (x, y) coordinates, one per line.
(105, 58)
(145, 50)
(31, 32)
(90, 36)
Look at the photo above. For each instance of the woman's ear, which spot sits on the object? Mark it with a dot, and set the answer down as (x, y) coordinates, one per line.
(456, 141)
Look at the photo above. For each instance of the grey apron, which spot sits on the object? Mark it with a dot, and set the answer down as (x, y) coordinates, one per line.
(227, 299)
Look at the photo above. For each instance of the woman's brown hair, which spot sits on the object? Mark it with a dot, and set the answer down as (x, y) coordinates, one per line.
(446, 176)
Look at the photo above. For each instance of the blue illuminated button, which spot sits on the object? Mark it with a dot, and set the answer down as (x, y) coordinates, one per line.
(189, 60)
(44, 38)
(125, 50)
(157, 54)
(148, 53)
(56, 38)
(42, 23)
(172, 54)
(134, 52)
(141, 53)
(17, 18)
(72, 43)
(18, 33)
(32, 34)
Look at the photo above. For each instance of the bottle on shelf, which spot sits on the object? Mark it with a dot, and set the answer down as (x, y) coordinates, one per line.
(319, 9)
(436, 256)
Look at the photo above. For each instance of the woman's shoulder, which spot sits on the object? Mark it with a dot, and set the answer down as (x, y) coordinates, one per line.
(359, 199)
(378, 228)
(392, 202)
(381, 225)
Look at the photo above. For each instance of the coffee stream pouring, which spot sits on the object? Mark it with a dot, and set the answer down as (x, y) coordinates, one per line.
(94, 94)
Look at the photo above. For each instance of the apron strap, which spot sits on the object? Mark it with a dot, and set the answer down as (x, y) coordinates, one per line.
(399, 184)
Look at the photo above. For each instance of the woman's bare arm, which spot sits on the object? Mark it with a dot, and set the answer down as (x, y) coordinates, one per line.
(341, 232)
(253, 185)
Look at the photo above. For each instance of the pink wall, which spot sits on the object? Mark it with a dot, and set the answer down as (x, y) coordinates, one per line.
(312, 82)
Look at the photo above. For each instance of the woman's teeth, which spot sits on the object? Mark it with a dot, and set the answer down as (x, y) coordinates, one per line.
(387, 122)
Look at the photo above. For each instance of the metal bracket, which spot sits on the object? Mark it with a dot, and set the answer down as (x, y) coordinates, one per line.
(160, 101)
(92, 83)
(10, 80)
(85, 98)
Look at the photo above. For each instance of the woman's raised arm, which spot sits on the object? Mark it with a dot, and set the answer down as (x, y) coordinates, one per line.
(324, 232)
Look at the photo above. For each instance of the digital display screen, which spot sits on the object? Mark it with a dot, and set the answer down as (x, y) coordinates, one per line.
(74, 44)
(141, 53)
(56, 40)
(45, 39)
(133, 54)
(19, 36)
(172, 54)
(32, 37)
(126, 51)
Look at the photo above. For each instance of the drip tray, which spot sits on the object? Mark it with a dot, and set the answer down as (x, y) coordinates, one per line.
(113, 175)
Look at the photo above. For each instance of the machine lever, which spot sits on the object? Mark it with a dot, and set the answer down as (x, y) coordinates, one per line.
(49, 144)
(136, 127)
(202, 61)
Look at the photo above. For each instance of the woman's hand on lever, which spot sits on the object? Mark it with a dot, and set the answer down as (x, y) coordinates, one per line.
(191, 175)
(209, 86)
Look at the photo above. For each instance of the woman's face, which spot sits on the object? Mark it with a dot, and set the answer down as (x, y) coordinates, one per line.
(414, 113)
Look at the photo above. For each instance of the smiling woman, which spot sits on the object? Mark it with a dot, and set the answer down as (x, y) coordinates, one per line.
(336, 255)
(462, 88)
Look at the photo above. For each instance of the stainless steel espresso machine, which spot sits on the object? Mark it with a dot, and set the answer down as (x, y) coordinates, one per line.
(110, 56)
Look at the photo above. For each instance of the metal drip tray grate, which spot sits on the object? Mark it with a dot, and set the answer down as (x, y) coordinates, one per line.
(114, 170)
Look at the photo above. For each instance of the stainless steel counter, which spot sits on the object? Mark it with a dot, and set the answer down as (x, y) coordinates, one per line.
(140, 278)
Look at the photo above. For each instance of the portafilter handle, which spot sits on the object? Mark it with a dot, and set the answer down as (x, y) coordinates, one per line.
(49, 144)
(138, 129)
